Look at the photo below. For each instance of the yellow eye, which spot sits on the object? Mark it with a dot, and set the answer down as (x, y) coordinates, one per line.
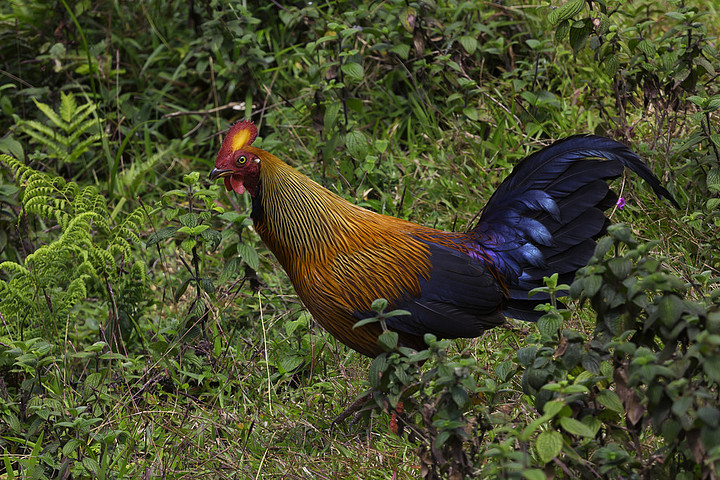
(241, 159)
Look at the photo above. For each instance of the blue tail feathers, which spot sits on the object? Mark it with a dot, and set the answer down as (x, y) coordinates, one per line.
(545, 216)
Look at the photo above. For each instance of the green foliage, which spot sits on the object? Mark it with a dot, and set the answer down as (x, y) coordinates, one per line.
(71, 135)
(88, 257)
(649, 373)
(111, 113)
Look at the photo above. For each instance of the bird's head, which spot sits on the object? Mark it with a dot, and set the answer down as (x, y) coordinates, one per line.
(238, 163)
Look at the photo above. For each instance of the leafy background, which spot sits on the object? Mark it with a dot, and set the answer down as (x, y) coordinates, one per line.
(147, 332)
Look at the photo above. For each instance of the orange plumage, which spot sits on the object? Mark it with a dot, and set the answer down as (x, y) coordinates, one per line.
(341, 257)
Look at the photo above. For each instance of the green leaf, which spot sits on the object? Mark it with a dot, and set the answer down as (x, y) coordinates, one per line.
(610, 400)
(377, 367)
(552, 408)
(575, 427)
(550, 323)
(526, 355)
(549, 445)
(647, 48)
(388, 340)
(713, 179)
(534, 474)
(566, 11)
(578, 37)
(332, 111)
(460, 397)
(711, 365)
(612, 63)
(160, 235)
(353, 71)
(562, 31)
(365, 321)
(357, 144)
(181, 289)
(249, 254)
(470, 44)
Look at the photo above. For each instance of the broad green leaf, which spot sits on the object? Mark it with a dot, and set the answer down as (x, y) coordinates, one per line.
(388, 340)
(469, 43)
(357, 144)
(534, 474)
(353, 71)
(575, 427)
(567, 11)
(549, 445)
(249, 254)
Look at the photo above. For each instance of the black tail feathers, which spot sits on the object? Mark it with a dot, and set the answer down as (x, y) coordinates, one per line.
(544, 218)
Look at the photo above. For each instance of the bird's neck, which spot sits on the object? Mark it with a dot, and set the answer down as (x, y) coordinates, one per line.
(297, 217)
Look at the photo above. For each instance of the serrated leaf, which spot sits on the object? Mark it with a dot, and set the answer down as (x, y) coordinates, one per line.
(575, 427)
(610, 400)
(702, 61)
(566, 11)
(353, 71)
(460, 397)
(160, 235)
(526, 355)
(612, 63)
(578, 37)
(713, 179)
(549, 445)
(357, 144)
(562, 30)
(646, 47)
(207, 285)
(712, 204)
(388, 340)
(288, 363)
(552, 408)
(504, 370)
(549, 324)
(402, 50)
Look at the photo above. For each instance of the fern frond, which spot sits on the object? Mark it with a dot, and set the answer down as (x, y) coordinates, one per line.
(46, 136)
(14, 268)
(68, 107)
(83, 147)
(50, 113)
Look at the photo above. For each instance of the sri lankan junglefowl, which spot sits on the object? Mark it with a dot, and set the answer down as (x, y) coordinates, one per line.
(542, 219)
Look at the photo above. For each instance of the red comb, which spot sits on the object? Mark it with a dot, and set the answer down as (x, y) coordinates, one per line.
(240, 135)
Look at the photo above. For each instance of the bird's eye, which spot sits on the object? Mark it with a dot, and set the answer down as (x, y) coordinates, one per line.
(241, 159)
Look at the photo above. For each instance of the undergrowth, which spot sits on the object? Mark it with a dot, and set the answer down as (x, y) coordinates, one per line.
(147, 332)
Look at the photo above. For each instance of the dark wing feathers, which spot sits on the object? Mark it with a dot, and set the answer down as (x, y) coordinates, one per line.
(460, 299)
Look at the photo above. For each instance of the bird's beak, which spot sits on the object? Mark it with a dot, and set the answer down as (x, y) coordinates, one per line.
(217, 173)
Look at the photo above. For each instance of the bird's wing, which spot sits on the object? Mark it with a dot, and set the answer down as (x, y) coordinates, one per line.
(459, 298)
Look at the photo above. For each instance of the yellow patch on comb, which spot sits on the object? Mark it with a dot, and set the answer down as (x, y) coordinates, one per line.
(241, 138)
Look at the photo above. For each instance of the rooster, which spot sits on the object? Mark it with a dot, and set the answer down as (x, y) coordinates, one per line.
(544, 218)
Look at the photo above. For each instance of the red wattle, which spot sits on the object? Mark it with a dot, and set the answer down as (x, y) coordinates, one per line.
(235, 182)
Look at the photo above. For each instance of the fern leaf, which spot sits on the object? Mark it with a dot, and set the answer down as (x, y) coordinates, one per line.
(50, 113)
(68, 106)
(81, 114)
(46, 136)
(82, 147)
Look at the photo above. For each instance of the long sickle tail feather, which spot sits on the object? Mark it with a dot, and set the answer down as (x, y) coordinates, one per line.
(544, 218)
